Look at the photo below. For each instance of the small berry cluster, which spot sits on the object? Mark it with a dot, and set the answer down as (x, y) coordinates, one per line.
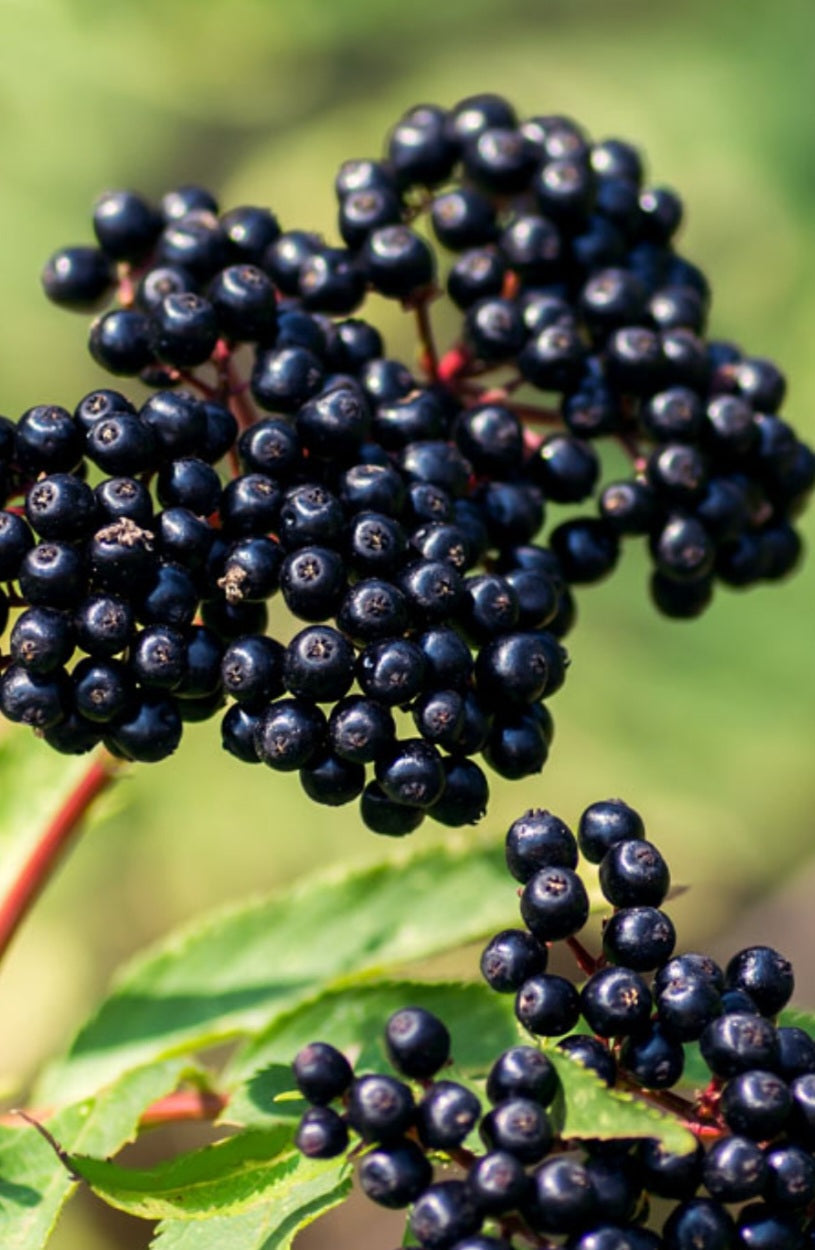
(396, 515)
(637, 1009)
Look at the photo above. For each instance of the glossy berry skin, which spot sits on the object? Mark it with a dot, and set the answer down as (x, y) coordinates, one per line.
(238, 729)
(398, 262)
(796, 1052)
(53, 575)
(639, 937)
(522, 1072)
(158, 658)
(149, 731)
(554, 904)
(38, 700)
(616, 1002)
(392, 672)
(78, 278)
(520, 1127)
(252, 670)
(738, 1043)
(756, 1104)
(359, 729)
(382, 815)
(514, 669)
(98, 404)
(464, 798)
(443, 1215)
(699, 1223)
(654, 1060)
(447, 1113)
(103, 624)
(498, 1182)
(312, 581)
(510, 958)
(734, 1170)
(60, 506)
(766, 976)
(411, 773)
(120, 341)
(102, 689)
(417, 1042)
(332, 781)
(588, 549)
(242, 298)
(118, 497)
(16, 540)
(380, 1108)
(321, 1134)
(290, 734)
(547, 1005)
(373, 610)
(42, 640)
(321, 1073)
(318, 664)
(563, 1199)
(686, 1004)
(539, 839)
(670, 1175)
(395, 1176)
(47, 440)
(633, 873)
(790, 1180)
(605, 823)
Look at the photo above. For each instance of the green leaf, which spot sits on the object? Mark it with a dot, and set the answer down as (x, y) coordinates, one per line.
(237, 971)
(587, 1108)
(272, 1225)
(34, 1184)
(481, 1023)
(225, 1178)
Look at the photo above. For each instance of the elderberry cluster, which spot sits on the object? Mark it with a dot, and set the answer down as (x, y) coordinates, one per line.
(638, 1011)
(400, 513)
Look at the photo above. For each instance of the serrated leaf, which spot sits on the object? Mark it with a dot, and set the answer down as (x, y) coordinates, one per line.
(228, 1177)
(238, 970)
(34, 1184)
(272, 1225)
(587, 1108)
(481, 1023)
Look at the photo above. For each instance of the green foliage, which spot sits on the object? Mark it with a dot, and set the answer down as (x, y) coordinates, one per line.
(34, 1185)
(236, 972)
(223, 1179)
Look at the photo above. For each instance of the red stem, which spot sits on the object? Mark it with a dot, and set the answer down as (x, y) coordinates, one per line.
(585, 962)
(42, 862)
(184, 1104)
(430, 356)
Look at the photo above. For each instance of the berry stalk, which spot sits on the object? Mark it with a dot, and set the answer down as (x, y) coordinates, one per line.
(57, 835)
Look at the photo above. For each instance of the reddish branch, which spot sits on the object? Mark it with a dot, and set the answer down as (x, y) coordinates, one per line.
(42, 862)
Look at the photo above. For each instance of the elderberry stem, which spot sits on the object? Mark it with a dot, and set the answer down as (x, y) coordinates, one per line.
(239, 403)
(42, 862)
(430, 355)
(184, 1105)
(585, 962)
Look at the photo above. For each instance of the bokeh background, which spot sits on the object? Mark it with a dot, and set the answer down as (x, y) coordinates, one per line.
(707, 727)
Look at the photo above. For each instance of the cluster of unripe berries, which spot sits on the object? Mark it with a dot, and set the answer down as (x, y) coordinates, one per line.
(639, 1006)
(399, 516)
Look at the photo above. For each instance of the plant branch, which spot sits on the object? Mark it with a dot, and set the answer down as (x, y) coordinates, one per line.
(42, 862)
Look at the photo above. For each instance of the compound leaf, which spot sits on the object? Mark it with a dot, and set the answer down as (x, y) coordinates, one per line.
(235, 972)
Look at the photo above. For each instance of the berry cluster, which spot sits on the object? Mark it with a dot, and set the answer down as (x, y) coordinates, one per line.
(398, 516)
(630, 1021)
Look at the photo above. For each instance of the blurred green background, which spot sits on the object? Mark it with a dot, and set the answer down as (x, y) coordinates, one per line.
(708, 728)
